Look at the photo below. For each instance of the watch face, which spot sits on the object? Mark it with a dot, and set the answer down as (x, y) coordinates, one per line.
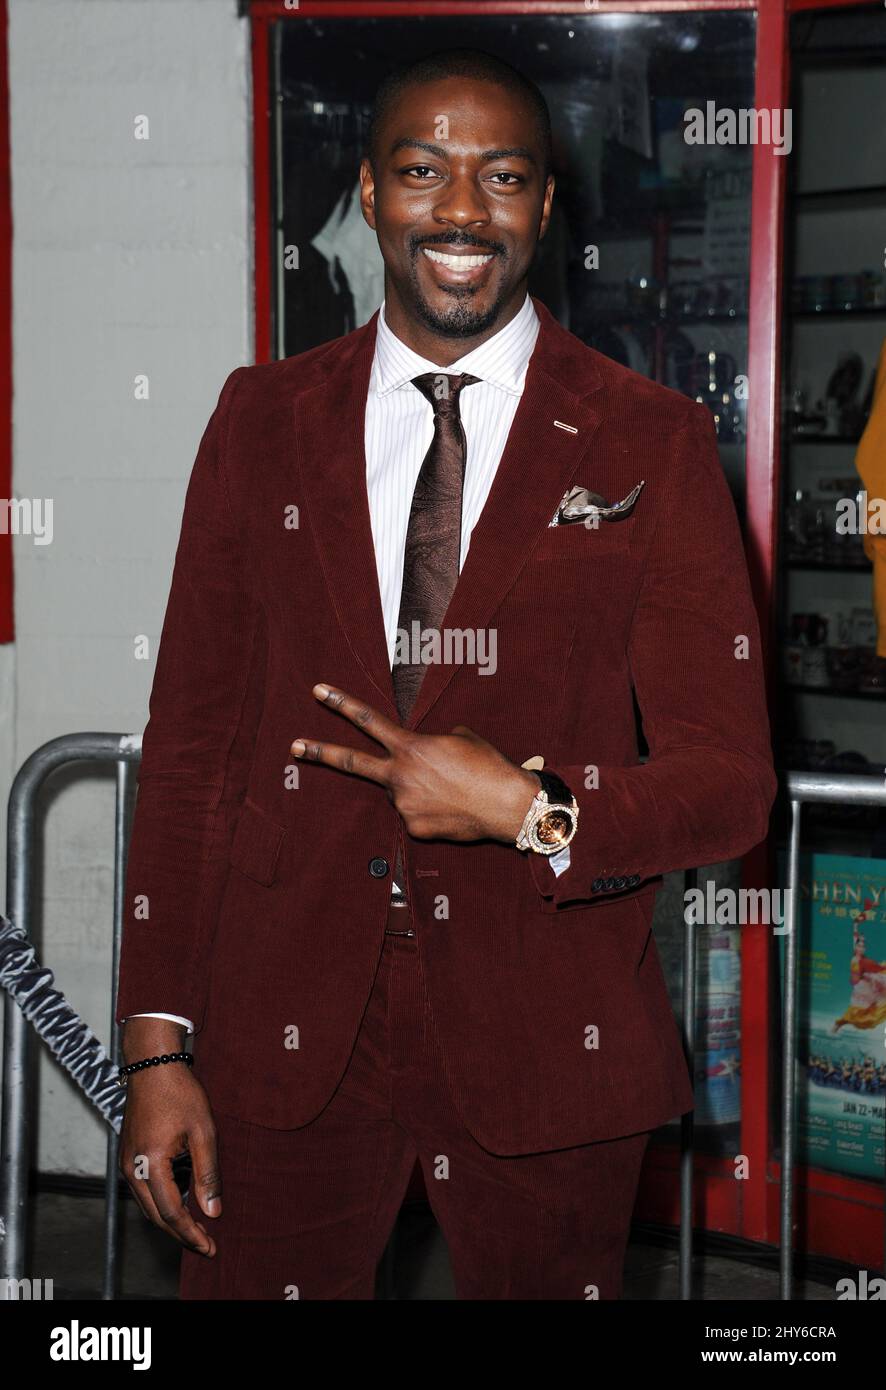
(553, 827)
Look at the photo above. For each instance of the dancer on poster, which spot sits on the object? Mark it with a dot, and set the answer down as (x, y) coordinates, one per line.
(867, 1006)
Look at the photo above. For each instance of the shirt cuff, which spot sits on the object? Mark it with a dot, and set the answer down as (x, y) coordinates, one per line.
(174, 1018)
(560, 861)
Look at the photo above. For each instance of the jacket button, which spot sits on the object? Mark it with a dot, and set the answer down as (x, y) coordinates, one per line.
(378, 867)
(619, 882)
(596, 885)
(634, 879)
(608, 884)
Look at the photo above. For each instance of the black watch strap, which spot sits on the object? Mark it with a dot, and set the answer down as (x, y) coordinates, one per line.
(556, 788)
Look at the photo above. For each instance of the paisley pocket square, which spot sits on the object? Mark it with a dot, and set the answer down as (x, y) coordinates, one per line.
(578, 504)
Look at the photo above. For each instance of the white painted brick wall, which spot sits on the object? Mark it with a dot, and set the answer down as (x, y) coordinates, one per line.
(129, 257)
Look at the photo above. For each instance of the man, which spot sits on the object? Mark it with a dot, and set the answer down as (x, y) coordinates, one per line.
(324, 879)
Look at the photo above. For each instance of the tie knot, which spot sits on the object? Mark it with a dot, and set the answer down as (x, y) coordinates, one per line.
(442, 388)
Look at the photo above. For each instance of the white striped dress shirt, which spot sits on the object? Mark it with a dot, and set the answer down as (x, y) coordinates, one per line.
(400, 427)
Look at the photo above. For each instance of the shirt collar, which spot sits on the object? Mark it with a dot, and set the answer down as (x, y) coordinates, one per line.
(501, 361)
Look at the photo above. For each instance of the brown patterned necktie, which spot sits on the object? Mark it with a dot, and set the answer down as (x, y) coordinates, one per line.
(433, 537)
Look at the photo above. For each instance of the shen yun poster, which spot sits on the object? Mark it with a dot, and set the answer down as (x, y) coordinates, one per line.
(841, 1047)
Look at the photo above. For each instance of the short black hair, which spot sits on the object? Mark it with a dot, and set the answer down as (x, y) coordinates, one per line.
(459, 62)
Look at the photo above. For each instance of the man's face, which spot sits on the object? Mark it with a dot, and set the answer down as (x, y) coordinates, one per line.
(459, 204)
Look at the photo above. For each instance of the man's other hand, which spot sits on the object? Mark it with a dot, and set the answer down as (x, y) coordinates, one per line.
(167, 1114)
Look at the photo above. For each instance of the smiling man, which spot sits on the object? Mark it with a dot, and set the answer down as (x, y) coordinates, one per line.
(403, 899)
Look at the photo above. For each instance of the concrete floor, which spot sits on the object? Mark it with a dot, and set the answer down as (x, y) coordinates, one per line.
(66, 1244)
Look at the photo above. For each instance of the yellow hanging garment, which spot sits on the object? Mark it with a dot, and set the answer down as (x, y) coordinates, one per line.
(870, 462)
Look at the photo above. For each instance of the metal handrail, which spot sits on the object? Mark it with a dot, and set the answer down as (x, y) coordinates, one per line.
(834, 788)
(124, 750)
(840, 788)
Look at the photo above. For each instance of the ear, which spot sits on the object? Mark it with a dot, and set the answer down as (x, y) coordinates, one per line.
(546, 206)
(367, 193)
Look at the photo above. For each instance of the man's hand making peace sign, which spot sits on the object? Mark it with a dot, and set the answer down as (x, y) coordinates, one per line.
(453, 786)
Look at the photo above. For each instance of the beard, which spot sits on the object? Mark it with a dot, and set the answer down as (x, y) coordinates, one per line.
(460, 318)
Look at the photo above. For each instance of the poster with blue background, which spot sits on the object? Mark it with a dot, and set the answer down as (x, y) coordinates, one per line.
(841, 1045)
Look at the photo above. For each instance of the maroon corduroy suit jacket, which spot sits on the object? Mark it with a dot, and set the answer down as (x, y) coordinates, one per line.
(264, 922)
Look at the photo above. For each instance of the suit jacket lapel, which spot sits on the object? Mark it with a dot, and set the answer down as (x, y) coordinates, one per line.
(535, 470)
(329, 432)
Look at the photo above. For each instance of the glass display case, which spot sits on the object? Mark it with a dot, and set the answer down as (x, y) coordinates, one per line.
(833, 698)
(831, 691)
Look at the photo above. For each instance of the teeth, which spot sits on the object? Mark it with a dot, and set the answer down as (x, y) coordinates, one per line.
(455, 262)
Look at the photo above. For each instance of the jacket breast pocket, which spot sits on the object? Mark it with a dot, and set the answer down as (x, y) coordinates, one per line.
(577, 542)
(255, 845)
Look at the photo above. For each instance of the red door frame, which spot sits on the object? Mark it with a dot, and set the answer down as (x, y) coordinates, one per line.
(836, 1216)
(7, 621)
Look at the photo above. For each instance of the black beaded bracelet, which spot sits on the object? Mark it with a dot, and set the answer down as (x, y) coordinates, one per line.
(123, 1073)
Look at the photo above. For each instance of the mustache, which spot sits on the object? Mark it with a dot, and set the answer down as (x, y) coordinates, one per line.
(444, 239)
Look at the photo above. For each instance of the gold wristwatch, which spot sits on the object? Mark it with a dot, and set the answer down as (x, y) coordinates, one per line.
(552, 819)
